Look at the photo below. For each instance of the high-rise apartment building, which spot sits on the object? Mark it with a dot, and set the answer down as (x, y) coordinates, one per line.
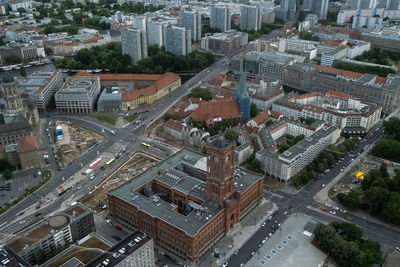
(317, 7)
(177, 40)
(191, 20)
(155, 33)
(220, 18)
(250, 18)
(363, 4)
(287, 10)
(134, 44)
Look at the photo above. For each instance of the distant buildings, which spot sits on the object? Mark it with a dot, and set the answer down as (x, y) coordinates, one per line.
(360, 23)
(191, 20)
(384, 42)
(78, 95)
(250, 18)
(317, 7)
(44, 238)
(304, 48)
(287, 10)
(220, 18)
(155, 33)
(134, 44)
(178, 40)
(224, 43)
(138, 252)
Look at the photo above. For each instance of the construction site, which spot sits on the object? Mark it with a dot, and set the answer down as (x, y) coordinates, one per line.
(72, 141)
(138, 163)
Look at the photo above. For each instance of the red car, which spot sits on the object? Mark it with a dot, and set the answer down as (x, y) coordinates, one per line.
(157, 261)
(119, 227)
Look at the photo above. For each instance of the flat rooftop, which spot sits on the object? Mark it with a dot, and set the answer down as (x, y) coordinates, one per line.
(170, 173)
(12, 259)
(129, 249)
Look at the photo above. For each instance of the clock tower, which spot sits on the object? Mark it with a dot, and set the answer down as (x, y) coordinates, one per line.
(220, 185)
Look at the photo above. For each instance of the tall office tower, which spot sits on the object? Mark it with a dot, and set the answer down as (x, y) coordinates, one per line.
(250, 18)
(177, 40)
(155, 33)
(363, 4)
(191, 21)
(134, 44)
(220, 18)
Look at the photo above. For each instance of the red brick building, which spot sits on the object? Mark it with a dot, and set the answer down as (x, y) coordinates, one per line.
(188, 201)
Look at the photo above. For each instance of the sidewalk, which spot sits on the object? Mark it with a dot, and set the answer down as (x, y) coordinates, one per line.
(238, 234)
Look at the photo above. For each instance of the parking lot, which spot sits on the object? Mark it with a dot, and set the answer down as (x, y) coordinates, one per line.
(290, 245)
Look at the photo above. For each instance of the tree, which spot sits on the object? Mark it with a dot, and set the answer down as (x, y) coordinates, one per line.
(171, 116)
(202, 93)
(2, 42)
(269, 122)
(352, 199)
(283, 147)
(4, 165)
(21, 10)
(231, 135)
(22, 72)
(7, 174)
(308, 36)
(13, 59)
(253, 110)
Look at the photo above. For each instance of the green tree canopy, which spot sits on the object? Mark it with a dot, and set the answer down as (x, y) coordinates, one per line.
(232, 135)
(13, 59)
(202, 93)
(253, 110)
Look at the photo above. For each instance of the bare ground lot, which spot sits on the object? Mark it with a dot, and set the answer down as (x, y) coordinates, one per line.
(134, 166)
(77, 141)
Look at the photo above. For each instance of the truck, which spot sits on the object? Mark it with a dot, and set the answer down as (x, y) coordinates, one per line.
(86, 172)
(59, 132)
(61, 189)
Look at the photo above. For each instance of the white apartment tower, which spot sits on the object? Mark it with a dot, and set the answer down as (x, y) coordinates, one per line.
(191, 20)
(134, 44)
(220, 18)
(250, 18)
(177, 40)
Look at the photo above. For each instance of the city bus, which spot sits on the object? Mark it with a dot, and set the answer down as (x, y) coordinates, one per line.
(146, 145)
(111, 161)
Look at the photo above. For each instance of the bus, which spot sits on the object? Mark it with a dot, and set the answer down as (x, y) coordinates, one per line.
(146, 145)
(111, 161)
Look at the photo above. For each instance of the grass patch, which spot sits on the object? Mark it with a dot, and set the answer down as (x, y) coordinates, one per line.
(130, 118)
(273, 183)
(46, 175)
(112, 120)
(87, 251)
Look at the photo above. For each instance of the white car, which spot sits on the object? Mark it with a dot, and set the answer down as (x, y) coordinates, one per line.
(397, 248)
(21, 222)
(332, 212)
(323, 185)
(263, 224)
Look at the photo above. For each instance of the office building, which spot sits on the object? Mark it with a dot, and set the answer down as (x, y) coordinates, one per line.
(78, 95)
(384, 42)
(191, 20)
(41, 86)
(41, 241)
(335, 108)
(250, 18)
(319, 8)
(135, 250)
(370, 23)
(188, 202)
(304, 48)
(284, 166)
(225, 43)
(177, 40)
(155, 33)
(268, 17)
(134, 44)
(329, 58)
(220, 18)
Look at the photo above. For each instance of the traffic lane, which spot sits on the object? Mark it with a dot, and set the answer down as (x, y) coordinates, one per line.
(388, 239)
(244, 253)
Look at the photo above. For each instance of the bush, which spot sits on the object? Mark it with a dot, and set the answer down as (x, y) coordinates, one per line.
(7, 174)
(364, 69)
(171, 116)
(202, 93)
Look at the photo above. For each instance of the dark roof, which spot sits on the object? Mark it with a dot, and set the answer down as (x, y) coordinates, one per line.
(22, 125)
(8, 78)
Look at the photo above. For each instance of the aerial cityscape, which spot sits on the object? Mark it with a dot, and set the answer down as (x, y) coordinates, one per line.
(200, 133)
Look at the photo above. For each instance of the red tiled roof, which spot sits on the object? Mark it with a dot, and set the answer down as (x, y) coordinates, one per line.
(210, 110)
(161, 81)
(344, 73)
(380, 79)
(338, 95)
(174, 124)
(261, 118)
(27, 143)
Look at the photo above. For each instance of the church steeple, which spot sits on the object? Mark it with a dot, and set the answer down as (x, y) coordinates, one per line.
(243, 82)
